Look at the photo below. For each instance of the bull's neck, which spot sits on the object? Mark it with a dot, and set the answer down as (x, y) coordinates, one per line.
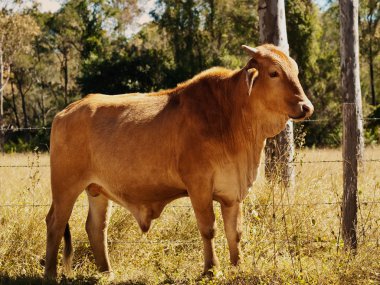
(251, 122)
(235, 120)
(246, 137)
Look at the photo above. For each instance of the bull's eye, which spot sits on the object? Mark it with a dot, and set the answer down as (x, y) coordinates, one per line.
(273, 74)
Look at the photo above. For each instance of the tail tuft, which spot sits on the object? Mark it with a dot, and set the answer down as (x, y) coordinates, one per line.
(67, 251)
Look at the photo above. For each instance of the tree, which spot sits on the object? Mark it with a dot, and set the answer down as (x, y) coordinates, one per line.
(370, 40)
(17, 32)
(303, 31)
(181, 21)
(122, 11)
(63, 32)
(226, 29)
(128, 69)
(205, 33)
(279, 150)
(323, 81)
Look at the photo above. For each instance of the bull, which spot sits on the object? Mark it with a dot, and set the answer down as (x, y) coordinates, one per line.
(202, 139)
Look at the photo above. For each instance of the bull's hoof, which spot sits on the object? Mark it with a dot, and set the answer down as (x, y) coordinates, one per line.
(145, 228)
(236, 262)
(50, 277)
(107, 276)
(110, 275)
(212, 272)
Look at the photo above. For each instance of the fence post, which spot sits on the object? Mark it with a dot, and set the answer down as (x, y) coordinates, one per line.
(2, 133)
(279, 151)
(353, 143)
(350, 174)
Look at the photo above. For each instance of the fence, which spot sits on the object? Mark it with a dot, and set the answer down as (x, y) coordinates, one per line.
(277, 207)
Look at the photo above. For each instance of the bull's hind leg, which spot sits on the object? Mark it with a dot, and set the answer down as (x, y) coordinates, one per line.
(96, 227)
(232, 226)
(56, 221)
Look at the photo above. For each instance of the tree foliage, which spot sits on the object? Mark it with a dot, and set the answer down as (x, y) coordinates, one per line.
(127, 69)
(304, 32)
(370, 47)
(16, 34)
(82, 48)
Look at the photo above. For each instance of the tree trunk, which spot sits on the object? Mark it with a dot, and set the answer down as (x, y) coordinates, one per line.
(371, 75)
(353, 143)
(15, 106)
(43, 111)
(211, 18)
(24, 110)
(66, 75)
(26, 121)
(2, 133)
(279, 151)
(23, 105)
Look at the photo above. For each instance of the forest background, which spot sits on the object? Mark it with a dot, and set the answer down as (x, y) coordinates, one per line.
(95, 46)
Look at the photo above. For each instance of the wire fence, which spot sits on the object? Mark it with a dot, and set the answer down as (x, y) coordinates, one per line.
(273, 205)
(47, 128)
(197, 241)
(262, 163)
(335, 203)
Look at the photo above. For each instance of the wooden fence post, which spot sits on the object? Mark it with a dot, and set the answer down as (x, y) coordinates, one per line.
(353, 143)
(279, 151)
(2, 134)
(350, 175)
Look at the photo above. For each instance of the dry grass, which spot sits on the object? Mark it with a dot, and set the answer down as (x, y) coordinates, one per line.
(287, 239)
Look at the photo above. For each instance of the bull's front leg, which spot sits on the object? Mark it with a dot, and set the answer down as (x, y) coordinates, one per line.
(232, 226)
(201, 201)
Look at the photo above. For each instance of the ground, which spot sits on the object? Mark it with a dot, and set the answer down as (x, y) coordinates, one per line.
(288, 237)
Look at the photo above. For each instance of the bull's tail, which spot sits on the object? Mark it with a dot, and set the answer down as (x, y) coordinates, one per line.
(68, 250)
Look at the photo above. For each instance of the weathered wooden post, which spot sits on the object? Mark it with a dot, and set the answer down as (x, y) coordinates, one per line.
(353, 143)
(279, 151)
(2, 134)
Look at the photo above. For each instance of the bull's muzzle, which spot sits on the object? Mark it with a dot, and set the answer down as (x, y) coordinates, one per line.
(308, 110)
(305, 110)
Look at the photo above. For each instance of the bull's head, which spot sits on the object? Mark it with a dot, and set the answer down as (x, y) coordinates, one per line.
(272, 78)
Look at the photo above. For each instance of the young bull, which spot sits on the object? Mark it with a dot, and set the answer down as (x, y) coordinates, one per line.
(202, 139)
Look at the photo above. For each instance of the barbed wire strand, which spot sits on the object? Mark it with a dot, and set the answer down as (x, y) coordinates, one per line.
(49, 128)
(364, 203)
(262, 163)
(194, 241)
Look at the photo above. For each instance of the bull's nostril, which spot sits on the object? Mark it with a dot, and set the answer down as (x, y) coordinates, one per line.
(305, 108)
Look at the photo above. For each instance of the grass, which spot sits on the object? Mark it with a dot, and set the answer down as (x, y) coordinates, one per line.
(288, 238)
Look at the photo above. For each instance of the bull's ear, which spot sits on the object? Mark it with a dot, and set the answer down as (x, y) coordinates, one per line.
(251, 75)
(250, 50)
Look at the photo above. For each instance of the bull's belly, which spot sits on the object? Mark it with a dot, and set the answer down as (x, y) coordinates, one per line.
(146, 202)
(146, 194)
(140, 191)
(134, 174)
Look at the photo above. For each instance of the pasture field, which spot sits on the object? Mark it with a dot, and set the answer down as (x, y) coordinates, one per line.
(287, 238)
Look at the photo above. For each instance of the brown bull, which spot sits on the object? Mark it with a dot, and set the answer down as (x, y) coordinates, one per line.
(202, 139)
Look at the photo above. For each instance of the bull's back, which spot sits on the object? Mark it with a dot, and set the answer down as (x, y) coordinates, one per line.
(102, 116)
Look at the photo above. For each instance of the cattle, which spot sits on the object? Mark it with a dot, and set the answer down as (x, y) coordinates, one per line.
(202, 139)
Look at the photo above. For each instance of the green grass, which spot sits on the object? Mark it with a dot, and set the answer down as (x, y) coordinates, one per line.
(288, 238)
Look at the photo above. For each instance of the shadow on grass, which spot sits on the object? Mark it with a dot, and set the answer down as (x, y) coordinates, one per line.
(85, 280)
(80, 280)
